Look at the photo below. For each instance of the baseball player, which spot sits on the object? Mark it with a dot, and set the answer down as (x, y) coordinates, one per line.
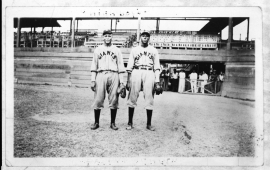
(193, 81)
(143, 75)
(107, 76)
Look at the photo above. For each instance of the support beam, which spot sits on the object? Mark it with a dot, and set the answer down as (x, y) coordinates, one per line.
(70, 29)
(111, 24)
(77, 25)
(230, 34)
(18, 33)
(73, 33)
(247, 29)
(139, 28)
(157, 25)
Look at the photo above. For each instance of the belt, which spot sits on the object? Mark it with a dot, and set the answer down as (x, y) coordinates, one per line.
(143, 68)
(100, 71)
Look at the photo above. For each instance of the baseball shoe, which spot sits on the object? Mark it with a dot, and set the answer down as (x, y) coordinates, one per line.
(129, 127)
(113, 126)
(149, 127)
(95, 126)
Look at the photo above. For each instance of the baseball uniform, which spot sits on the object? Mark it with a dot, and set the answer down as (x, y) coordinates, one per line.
(144, 67)
(193, 82)
(107, 68)
(182, 80)
(203, 83)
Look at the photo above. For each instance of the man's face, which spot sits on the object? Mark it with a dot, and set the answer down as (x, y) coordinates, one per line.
(145, 39)
(107, 38)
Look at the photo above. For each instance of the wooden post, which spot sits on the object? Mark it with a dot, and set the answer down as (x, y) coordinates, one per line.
(111, 24)
(247, 29)
(70, 30)
(18, 33)
(73, 33)
(157, 25)
(138, 30)
(77, 25)
(31, 36)
(230, 34)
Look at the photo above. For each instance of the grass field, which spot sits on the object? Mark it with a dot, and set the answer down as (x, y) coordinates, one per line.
(54, 121)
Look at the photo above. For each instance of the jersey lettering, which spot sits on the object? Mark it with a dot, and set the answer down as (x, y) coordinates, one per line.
(107, 53)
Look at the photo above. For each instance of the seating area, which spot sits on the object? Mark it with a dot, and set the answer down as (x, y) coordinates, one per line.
(128, 39)
(178, 41)
(121, 40)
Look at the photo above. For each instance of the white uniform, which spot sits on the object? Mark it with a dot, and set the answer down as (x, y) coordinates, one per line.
(144, 67)
(204, 78)
(193, 82)
(107, 68)
(182, 76)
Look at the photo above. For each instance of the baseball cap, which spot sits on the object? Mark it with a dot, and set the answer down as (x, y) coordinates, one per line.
(107, 32)
(146, 33)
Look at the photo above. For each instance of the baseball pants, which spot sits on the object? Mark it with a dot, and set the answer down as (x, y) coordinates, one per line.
(181, 87)
(106, 81)
(203, 83)
(193, 86)
(139, 79)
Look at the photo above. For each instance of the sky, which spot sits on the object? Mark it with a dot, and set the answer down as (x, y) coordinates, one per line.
(239, 31)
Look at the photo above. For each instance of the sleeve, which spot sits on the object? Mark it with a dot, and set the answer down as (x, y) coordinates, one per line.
(94, 67)
(130, 62)
(156, 61)
(120, 64)
(156, 65)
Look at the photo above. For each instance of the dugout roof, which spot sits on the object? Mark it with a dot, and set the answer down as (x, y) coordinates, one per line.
(38, 22)
(215, 25)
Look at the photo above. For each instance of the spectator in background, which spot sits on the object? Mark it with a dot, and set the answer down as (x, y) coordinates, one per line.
(162, 79)
(182, 80)
(220, 81)
(193, 81)
(166, 80)
(204, 77)
(200, 82)
(213, 79)
(174, 78)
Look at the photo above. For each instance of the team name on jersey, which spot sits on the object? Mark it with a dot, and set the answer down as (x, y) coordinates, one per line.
(106, 53)
(145, 53)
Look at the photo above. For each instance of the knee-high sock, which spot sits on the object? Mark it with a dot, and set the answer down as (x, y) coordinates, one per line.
(113, 115)
(130, 115)
(97, 115)
(149, 116)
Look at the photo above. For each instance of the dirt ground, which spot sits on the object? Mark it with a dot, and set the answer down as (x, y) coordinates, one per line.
(54, 121)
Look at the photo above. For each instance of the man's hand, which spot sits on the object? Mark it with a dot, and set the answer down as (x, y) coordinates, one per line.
(158, 88)
(93, 85)
(122, 90)
(128, 86)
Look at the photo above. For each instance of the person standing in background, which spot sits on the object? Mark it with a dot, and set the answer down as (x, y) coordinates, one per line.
(174, 80)
(200, 82)
(182, 80)
(220, 81)
(166, 79)
(203, 83)
(193, 81)
(162, 79)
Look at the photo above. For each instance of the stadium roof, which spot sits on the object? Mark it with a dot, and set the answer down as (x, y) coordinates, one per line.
(215, 25)
(38, 22)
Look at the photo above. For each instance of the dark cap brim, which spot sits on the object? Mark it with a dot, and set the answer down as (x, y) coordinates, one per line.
(145, 33)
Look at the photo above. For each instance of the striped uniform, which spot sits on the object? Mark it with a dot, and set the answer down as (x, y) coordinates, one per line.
(144, 67)
(107, 71)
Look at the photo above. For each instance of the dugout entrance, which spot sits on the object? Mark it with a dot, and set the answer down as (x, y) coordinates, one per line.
(213, 85)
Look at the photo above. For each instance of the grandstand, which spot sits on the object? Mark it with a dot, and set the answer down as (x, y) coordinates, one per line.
(69, 53)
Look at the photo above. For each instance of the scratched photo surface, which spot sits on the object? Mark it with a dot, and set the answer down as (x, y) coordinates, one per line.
(212, 116)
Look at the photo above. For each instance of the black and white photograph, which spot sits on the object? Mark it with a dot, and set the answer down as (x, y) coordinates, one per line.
(134, 86)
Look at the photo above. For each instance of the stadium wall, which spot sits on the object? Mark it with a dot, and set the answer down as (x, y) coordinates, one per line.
(71, 66)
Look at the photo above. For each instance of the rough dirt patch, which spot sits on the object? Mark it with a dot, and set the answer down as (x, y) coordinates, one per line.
(54, 121)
